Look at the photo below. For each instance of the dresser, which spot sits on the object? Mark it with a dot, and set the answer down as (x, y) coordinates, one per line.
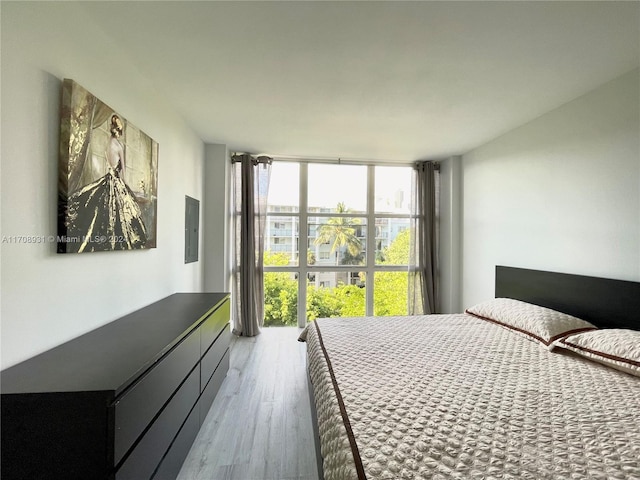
(122, 402)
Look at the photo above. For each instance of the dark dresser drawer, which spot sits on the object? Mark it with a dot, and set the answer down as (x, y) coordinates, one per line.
(213, 356)
(146, 455)
(138, 405)
(213, 325)
(211, 389)
(172, 461)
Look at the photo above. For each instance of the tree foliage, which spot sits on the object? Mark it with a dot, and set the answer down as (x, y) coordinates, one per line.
(341, 301)
(340, 232)
(390, 290)
(397, 253)
(280, 293)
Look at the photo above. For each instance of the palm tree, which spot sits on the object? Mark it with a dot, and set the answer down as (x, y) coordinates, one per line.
(340, 232)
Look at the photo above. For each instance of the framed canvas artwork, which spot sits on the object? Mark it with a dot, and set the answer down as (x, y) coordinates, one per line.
(108, 178)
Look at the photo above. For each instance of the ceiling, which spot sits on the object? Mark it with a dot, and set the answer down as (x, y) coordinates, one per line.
(389, 81)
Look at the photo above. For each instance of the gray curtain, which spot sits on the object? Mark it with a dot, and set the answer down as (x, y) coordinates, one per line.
(423, 295)
(251, 185)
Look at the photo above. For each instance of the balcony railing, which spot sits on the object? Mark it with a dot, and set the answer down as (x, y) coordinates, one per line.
(281, 232)
(281, 248)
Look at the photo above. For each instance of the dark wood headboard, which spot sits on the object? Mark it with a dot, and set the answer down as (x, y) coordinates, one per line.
(604, 302)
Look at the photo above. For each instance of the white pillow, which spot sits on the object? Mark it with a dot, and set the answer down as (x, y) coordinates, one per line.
(617, 348)
(538, 324)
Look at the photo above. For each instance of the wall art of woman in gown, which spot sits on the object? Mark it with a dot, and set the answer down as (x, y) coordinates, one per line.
(104, 215)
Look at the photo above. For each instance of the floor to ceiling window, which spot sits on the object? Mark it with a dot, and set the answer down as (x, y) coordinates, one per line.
(336, 241)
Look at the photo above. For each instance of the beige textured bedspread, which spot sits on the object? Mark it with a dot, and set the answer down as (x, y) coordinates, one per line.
(454, 397)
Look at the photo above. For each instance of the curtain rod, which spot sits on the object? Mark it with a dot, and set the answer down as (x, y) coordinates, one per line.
(348, 161)
(256, 159)
(340, 161)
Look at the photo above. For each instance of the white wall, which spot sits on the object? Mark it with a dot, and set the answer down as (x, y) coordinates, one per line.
(450, 234)
(217, 208)
(559, 193)
(49, 298)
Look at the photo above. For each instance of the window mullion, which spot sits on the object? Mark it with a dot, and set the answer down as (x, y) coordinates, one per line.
(371, 239)
(303, 247)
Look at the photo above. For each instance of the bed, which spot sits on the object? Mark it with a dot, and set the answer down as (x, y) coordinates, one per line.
(533, 384)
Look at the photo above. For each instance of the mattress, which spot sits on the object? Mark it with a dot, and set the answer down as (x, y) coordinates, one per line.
(455, 397)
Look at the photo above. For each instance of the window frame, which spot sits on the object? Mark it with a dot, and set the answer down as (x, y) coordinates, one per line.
(303, 269)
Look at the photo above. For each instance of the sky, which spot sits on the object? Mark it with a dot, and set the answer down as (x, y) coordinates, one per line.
(330, 184)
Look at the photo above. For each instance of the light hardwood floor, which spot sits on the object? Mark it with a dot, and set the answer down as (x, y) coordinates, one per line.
(259, 426)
